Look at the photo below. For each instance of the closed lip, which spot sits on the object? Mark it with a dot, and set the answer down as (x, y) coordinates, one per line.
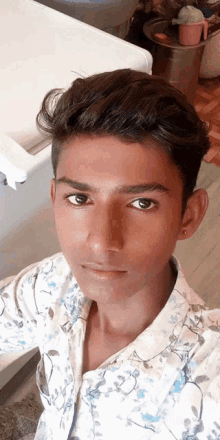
(102, 268)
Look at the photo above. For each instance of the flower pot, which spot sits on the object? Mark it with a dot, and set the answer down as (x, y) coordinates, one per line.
(190, 33)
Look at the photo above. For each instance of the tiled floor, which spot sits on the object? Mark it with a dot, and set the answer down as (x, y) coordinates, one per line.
(207, 104)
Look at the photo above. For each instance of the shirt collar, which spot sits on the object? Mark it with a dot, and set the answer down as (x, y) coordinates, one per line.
(167, 325)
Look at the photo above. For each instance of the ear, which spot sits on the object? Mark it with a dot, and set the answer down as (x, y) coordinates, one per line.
(52, 191)
(196, 208)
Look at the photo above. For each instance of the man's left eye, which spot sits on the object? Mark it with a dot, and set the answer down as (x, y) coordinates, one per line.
(144, 203)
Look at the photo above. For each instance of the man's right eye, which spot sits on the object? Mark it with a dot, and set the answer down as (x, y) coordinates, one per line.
(77, 199)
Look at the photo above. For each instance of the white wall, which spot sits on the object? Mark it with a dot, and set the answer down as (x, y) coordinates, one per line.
(27, 233)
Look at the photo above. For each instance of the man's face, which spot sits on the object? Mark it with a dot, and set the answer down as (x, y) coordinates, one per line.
(134, 232)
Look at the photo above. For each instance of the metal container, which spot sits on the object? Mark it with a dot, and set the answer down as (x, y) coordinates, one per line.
(178, 64)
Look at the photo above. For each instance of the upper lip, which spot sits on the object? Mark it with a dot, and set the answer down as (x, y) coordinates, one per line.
(102, 268)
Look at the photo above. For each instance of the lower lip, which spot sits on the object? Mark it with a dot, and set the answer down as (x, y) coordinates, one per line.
(104, 275)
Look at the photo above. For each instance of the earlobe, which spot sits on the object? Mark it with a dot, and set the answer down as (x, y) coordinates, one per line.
(52, 191)
(197, 206)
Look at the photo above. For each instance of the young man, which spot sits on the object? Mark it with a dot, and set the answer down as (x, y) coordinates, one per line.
(128, 350)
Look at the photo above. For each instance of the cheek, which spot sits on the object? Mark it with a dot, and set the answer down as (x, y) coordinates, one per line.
(152, 242)
(151, 228)
(70, 225)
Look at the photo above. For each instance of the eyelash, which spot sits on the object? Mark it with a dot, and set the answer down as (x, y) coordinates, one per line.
(66, 197)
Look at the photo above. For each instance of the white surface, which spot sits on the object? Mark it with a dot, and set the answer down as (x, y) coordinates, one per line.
(16, 163)
(27, 229)
(40, 50)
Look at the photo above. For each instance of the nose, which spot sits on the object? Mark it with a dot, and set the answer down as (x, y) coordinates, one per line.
(105, 230)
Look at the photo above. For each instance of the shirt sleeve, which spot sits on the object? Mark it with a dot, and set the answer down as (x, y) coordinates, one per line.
(18, 311)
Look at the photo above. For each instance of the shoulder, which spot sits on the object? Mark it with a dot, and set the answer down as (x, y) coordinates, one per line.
(205, 317)
(39, 282)
(55, 262)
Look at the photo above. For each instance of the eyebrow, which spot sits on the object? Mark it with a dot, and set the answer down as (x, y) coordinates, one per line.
(135, 189)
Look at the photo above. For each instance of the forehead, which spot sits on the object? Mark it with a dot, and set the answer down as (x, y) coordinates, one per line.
(107, 160)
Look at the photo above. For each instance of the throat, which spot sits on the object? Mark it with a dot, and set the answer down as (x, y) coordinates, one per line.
(125, 324)
(100, 346)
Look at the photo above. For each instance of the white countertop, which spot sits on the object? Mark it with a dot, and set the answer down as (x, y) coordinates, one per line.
(42, 49)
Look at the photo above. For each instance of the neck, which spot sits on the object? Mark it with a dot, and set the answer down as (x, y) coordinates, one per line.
(127, 321)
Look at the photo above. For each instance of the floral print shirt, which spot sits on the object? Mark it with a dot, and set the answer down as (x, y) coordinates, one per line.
(165, 385)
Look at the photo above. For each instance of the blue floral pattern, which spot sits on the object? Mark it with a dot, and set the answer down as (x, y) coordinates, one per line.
(165, 385)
